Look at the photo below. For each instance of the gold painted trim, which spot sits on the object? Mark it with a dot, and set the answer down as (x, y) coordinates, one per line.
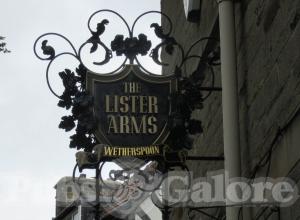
(92, 78)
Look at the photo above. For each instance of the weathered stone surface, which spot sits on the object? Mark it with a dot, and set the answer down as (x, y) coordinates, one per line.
(268, 55)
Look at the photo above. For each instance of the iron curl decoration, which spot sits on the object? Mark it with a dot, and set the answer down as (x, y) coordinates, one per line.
(209, 61)
(167, 40)
(49, 51)
(188, 98)
(95, 39)
(128, 46)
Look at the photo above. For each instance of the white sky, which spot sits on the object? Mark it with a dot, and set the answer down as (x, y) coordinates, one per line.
(34, 152)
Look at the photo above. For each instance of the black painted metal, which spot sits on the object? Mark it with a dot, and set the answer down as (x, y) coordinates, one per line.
(129, 47)
(98, 190)
(166, 213)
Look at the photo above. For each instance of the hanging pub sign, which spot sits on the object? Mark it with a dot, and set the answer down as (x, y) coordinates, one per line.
(132, 109)
(128, 113)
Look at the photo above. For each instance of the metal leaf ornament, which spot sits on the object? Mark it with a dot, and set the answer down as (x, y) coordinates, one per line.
(69, 81)
(144, 44)
(67, 123)
(80, 139)
(194, 126)
(65, 100)
(48, 50)
(80, 102)
(167, 41)
(81, 75)
(184, 102)
(117, 45)
(95, 39)
(83, 99)
(131, 47)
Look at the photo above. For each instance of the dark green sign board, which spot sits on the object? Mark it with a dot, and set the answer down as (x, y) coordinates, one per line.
(131, 107)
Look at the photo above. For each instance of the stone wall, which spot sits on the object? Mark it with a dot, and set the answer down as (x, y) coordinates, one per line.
(268, 52)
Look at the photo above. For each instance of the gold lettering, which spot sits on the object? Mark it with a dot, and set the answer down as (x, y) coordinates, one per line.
(114, 151)
(138, 87)
(138, 151)
(125, 87)
(124, 124)
(107, 151)
(153, 108)
(133, 151)
(112, 125)
(107, 104)
(119, 151)
(129, 152)
(156, 149)
(133, 103)
(141, 128)
(147, 150)
(152, 150)
(132, 87)
(143, 104)
(116, 103)
(152, 122)
(124, 104)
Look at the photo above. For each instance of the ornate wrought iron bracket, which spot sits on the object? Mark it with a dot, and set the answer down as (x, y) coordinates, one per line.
(130, 46)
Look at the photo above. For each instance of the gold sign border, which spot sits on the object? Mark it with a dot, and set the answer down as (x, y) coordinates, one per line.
(92, 78)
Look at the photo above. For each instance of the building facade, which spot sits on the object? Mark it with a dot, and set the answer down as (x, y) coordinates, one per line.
(76, 200)
(268, 68)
